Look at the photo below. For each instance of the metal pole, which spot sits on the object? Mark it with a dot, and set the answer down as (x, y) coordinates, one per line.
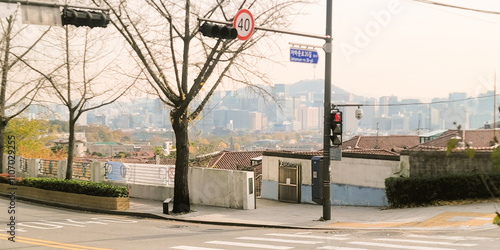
(268, 29)
(327, 204)
(52, 4)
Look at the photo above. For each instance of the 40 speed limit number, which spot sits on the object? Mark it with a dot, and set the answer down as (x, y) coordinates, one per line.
(244, 24)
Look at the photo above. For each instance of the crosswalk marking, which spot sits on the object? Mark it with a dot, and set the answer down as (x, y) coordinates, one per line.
(194, 248)
(340, 248)
(427, 242)
(397, 246)
(281, 240)
(337, 237)
(241, 244)
(443, 237)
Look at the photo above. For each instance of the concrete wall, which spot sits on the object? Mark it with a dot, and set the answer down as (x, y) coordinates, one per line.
(222, 188)
(437, 163)
(355, 180)
(212, 187)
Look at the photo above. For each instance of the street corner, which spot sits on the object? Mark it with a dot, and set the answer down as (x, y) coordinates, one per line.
(446, 220)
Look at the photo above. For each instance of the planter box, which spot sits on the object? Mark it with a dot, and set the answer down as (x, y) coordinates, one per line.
(81, 200)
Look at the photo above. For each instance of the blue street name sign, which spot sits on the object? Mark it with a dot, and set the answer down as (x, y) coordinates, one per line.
(303, 55)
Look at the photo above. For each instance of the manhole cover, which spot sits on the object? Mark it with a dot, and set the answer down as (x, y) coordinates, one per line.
(383, 233)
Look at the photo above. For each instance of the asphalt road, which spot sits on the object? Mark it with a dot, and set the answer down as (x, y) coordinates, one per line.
(43, 227)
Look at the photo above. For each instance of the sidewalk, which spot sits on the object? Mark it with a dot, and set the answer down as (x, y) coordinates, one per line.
(306, 216)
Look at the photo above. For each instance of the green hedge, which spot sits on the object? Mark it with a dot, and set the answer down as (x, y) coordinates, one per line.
(403, 192)
(75, 186)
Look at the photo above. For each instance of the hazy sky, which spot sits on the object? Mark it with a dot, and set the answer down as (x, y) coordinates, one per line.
(401, 47)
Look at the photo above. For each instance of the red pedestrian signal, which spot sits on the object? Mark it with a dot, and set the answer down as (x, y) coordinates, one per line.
(336, 127)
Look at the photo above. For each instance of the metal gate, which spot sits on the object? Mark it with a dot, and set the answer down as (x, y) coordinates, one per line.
(289, 182)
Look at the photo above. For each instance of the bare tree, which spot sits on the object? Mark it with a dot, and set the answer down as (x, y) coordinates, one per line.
(18, 86)
(183, 67)
(85, 75)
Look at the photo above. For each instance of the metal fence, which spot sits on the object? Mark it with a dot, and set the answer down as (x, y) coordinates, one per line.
(48, 168)
(23, 164)
(81, 170)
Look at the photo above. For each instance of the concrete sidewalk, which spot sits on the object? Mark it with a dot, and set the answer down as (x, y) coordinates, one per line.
(307, 216)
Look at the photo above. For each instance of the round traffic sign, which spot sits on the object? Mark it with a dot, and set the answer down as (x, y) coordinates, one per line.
(244, 24)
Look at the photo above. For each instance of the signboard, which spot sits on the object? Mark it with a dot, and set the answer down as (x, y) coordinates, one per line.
(336, 154)
(41, 15)
(303, 55)
(244, 24)
(6, 9)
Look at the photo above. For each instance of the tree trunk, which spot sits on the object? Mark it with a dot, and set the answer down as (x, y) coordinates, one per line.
(71, 145)
(3, 125)
(181, 189)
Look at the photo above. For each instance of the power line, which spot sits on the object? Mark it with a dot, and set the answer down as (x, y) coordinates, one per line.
(426, 103)
(458, 7)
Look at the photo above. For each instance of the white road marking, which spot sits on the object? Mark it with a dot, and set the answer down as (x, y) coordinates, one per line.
(374, 244)
(427, 242)
(336, 237)
(194, 248)
(281, 240)
(47, 225)
(442, 237)
(340, 248)
(62, 223)
(240, 244)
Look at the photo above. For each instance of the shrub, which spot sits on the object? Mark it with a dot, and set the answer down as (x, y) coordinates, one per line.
(418, 191)
(75, 186)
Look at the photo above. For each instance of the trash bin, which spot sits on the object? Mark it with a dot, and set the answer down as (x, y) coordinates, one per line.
(165, 205)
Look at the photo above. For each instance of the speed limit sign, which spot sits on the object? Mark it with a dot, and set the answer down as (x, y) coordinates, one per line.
(244, 24)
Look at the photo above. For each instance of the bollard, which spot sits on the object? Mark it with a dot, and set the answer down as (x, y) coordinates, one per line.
(165, 205)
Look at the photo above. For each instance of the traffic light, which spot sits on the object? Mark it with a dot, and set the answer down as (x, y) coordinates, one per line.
(336, 127)
(218, 31)
(84, 18)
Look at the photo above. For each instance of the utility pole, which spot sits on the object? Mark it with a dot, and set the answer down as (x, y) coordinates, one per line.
(327, 203)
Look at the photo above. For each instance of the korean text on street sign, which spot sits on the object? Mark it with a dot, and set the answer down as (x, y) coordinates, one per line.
(303, 55)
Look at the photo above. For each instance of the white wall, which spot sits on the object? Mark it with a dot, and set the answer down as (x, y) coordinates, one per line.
(207, 186)
(354, 181)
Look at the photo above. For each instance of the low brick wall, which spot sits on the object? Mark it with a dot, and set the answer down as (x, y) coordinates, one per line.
(82, 200)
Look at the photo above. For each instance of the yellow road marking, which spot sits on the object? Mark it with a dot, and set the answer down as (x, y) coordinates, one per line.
(49, 243)
(445, 219)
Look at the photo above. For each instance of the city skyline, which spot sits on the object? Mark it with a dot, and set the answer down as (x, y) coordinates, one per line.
(302, 111)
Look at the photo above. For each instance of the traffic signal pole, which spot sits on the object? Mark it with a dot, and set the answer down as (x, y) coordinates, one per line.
(327, 203)
(327, 101)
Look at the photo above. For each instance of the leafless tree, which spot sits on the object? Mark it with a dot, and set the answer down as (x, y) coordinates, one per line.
(84, 74)
(18, 86)
(184, 68)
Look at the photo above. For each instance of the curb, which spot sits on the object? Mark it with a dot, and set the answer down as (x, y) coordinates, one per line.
(156, 216)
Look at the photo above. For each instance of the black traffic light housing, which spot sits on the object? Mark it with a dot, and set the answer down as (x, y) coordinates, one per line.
(218, 31)
(84, 18)
(336, 127)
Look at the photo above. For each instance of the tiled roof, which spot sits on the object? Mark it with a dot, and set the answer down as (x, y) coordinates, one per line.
(228, 160)
(370, 151)
(382, 142)
(480, 138)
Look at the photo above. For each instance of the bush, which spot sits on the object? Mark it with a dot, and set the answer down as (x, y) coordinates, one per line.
(403, 192)
(75, 186)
